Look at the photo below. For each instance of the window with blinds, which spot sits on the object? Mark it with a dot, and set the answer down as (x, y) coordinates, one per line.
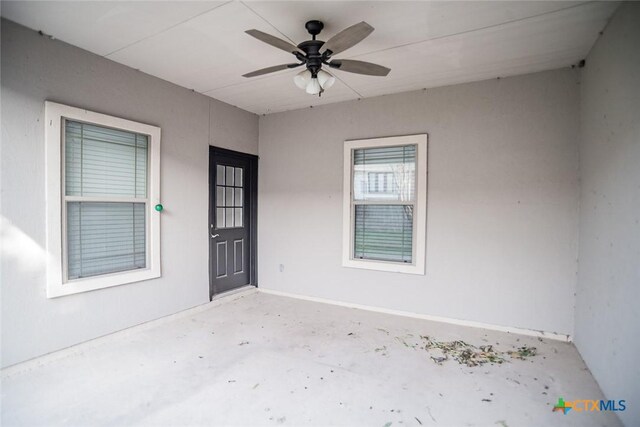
(383, 199)
(105, 199)
(385, 204)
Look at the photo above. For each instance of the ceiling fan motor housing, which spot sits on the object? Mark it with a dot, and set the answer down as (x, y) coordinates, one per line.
(313, 58)
(312, 47)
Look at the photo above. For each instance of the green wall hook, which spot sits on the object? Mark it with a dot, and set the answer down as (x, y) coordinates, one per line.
(159, 207)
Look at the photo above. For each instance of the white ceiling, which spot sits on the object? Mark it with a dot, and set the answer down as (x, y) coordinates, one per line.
(201, 45)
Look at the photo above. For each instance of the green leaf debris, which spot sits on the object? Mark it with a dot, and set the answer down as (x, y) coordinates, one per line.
(470, 355)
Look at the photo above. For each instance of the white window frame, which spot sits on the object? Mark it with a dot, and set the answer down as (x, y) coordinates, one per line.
(57, 282)
(420, 204)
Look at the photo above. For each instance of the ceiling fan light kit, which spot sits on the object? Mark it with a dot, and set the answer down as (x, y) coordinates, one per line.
(313, 88)
(325, 79)
(302, 79)
(305, 80)
(315, 53)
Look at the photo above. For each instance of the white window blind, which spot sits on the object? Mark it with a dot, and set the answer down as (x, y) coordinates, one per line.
(384, 184)
(383, 233)
(106, 201)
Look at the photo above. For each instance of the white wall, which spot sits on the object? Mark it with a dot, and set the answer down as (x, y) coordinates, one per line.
(35, 68)
(607, 305)
(502, 226)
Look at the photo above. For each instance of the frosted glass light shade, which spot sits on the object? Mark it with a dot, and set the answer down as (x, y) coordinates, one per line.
(302, 79)
(325, 79)
(313, 87)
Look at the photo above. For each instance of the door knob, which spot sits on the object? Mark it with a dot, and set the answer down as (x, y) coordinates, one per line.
(213, 236)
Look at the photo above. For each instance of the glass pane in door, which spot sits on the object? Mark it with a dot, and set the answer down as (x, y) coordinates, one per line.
(229, 197)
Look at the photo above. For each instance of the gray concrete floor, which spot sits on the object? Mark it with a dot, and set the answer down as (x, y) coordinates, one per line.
(269, 360)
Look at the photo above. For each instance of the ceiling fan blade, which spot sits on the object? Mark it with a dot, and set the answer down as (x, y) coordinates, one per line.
(274, 41)
(348, 38)
(270, 70)
(359, 67)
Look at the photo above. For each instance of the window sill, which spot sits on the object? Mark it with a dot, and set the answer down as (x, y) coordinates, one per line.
(384, 266)
(57, 289)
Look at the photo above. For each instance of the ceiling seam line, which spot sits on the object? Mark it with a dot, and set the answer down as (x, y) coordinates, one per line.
(473, 30)
(267, 21)
(168, 28)
(345, 83)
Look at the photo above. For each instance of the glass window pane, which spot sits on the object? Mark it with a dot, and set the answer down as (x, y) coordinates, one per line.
(219, 196)
(383, 232)
(220, 220)
(220, 175)
(100, 161)
(229, 196)
(238, 177)
(229, 175)
(386, 173)
(105, 238)
(238, 196)
(229, 215)
(238, 217)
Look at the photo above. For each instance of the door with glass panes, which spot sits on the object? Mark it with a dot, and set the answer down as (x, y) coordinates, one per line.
(231, 198)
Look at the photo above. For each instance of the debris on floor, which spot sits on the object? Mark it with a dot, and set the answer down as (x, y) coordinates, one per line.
(462, 352)
(382, 350)
(403, 342)
(523, 352)
(470, 355)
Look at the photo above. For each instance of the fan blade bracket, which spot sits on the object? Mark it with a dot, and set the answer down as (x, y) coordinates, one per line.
(302, 58)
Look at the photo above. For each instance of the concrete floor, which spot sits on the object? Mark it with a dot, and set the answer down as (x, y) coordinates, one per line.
(269, 360)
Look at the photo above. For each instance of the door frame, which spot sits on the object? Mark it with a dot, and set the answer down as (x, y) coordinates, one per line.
(251, 181)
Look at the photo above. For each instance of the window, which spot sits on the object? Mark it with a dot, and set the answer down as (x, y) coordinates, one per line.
(229, 197)
(103, 177)
(385, 201)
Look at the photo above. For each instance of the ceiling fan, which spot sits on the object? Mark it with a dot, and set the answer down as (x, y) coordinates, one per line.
(315, 53)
